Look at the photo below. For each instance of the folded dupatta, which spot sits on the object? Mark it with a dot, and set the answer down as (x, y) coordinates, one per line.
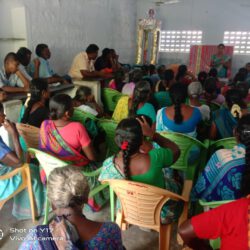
(52, 142)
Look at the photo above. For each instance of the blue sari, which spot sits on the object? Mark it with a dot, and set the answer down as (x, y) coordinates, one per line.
(221, 178)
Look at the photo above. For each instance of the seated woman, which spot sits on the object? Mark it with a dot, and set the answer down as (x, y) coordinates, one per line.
(68, 191)
(184, 76)
(162, 89)
(202, 77)
(222, 177)
(118, 82)
(211, 92)
(10, 160)
(243, 87)
(226, 118)
(69, 141)
(179, 117)
(194, 92)
(37, 110)
(134, 77)
(147, 168)
(85, 101)
(138, 104)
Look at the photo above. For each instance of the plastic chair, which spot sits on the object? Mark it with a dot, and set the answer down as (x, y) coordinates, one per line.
(88, 120)
(215, 244)
(110, 98)
(186, 144)
(227, 143)
(141, 205)
(26, 183)
(30, 134)
(49, 162)
(213, 105)
(109, 127)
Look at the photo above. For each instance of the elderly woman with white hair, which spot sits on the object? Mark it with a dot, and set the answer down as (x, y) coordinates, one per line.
(194, 92)
(68, 191)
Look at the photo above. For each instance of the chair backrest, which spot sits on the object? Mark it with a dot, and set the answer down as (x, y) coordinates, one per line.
(110, 98)
(30, 134)
(109, 127)
(47, 161)
(141, 203)
(88, 120)
(227, 143)
(186, 144)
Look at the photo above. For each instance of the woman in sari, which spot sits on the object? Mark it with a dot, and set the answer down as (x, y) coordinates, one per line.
(10, 160)
(69, 141)
(221, 62)
(225, 119)
(137, 105)
(131, 164)
(223, 175)
(68, 191)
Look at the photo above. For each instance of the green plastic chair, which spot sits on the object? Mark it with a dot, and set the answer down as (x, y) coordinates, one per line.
(88, 120)
(49, 162)
(227, 143)
(215, 244)
(186, 144)
(110, 97)
(109, 127)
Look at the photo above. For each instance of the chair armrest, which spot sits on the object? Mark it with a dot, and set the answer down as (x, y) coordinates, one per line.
(187, 189)
(92, 173)
(12, 173)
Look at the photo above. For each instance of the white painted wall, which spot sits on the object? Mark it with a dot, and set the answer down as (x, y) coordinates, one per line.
(68, 26)
(213, 17)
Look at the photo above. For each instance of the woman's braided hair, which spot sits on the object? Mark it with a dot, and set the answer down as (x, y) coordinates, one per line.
(178, 95)
(141, 94)
(128, 137)
(243, 132)
(37, 87)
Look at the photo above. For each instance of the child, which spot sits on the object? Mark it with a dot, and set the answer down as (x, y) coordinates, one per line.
(85, 101)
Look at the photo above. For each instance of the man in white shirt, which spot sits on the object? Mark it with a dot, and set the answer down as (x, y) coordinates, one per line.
(11, 78)
(24, 56)
(83, 64)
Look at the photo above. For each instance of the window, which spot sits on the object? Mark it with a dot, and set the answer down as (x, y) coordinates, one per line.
(239, 39)
(179, 40)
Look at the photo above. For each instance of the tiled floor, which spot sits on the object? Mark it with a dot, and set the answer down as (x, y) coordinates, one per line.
(133, 239)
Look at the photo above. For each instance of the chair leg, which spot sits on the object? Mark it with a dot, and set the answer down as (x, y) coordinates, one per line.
(112, 203)
(182, 218)
(164, 237)
(46, 215)
(31, 196)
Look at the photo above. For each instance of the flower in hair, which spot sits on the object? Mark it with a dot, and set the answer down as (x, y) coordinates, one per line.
(124, 145)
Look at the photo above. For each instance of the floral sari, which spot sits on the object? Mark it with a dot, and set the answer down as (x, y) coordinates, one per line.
(52, 142)
(222, 71)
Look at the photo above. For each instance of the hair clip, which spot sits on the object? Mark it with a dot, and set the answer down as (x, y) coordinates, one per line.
(124, 145)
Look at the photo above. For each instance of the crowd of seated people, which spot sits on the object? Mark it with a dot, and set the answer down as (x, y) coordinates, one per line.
(154, 100)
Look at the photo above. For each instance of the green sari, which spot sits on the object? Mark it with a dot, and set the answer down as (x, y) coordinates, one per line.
(222, 70)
